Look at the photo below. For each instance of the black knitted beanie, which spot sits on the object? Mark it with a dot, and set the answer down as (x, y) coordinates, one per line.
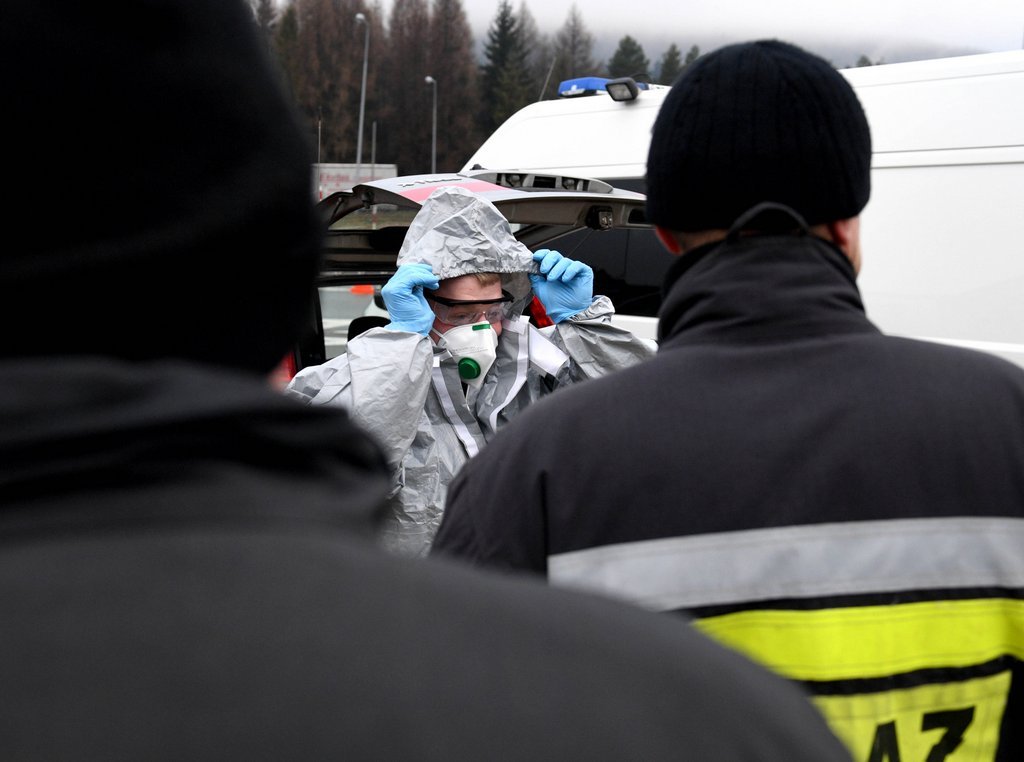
(758, 122)
(162, 195)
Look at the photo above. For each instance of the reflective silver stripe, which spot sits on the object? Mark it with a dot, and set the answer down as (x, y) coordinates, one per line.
(448, 405)
(520, 327)
(801, 561)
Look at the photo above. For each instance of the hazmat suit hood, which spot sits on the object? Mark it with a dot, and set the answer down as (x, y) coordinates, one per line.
(457, 232)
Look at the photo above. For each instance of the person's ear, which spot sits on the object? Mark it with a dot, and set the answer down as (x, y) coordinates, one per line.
(845, 234)
(841, 232)
(669, 240)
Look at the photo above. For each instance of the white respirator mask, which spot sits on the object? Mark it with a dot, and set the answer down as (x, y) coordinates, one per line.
(474, 347)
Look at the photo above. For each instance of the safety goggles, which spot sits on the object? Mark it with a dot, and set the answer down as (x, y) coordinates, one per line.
(462, 312)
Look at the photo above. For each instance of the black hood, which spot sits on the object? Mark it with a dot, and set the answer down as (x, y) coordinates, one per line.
(171, 440)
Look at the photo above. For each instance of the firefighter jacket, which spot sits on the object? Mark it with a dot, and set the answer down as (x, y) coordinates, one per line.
(844, 506)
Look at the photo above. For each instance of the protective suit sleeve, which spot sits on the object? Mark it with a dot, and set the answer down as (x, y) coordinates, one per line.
(595, 346)
(382, 380)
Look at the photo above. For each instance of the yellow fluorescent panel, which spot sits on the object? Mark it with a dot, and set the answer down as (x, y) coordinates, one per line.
(875, 641)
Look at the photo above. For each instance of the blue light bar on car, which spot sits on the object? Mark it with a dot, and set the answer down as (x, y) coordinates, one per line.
(620, 89)
(570, 88)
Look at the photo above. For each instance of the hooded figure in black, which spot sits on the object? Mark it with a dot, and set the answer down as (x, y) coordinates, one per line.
(186, 563)
(846, 507)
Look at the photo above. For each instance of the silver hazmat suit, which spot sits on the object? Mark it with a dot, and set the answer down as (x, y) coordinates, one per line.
(407, 392)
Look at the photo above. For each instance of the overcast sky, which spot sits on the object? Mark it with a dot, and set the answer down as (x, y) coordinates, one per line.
(890, 29)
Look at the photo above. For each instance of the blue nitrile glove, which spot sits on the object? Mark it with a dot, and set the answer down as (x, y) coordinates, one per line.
(403, 296)
(564, 286)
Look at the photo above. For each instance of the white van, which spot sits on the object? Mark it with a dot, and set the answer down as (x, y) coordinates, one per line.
(942, 233)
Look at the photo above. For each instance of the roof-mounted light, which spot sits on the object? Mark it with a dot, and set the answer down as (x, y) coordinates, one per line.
(620, 89)
(623, 89)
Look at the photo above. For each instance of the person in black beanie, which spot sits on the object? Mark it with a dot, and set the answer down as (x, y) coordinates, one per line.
(846, 507)
(187, 563)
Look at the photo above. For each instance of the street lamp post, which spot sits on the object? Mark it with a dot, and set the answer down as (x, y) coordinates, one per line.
(361, 19)
(373, 150)
(433, 138)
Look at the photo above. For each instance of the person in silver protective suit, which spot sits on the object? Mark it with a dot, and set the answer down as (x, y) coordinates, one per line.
(460, 358)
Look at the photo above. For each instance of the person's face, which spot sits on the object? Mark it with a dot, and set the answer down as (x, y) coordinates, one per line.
(465, 288)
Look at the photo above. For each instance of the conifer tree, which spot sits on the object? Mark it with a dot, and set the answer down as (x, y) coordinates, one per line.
(692, 55)
(629, 61)
(671, 65)
(505, 77)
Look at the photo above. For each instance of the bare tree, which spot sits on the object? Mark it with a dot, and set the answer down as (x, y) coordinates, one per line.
(406, 118)
(575, 47)
(286, 43)
(454, 69)
(320, 47)
(539, 52)
(266, 17)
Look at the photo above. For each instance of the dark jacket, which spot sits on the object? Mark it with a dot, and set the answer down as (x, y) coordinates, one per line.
(781, 465)
(183, 576)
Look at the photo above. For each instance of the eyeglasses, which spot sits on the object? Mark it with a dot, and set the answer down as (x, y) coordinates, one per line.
(461, 312)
